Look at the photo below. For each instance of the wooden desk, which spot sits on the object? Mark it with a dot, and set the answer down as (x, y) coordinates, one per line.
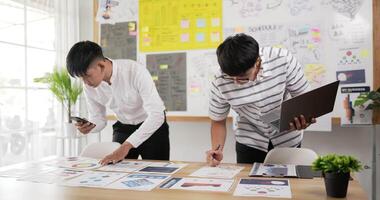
(302, 189)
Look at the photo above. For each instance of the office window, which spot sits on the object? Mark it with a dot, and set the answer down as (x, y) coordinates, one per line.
(27, 109)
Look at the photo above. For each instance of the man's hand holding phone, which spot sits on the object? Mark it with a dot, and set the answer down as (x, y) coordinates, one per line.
(83, 125)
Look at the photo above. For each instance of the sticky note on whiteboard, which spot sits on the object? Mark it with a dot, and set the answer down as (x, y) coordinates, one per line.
(163, 67)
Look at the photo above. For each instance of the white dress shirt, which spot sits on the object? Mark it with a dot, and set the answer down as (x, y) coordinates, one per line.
(132, 96)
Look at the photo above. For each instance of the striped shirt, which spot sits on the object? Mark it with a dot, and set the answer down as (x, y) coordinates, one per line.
(280, 77)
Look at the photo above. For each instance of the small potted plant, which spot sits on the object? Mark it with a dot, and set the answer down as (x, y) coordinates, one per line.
(66, 91)
(336, 171)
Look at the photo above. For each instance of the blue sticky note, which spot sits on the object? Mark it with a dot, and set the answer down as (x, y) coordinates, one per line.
(200, 37)
(201, 23)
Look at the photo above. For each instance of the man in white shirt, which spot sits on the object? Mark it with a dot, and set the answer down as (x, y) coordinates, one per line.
(253, 81)
(127, 87)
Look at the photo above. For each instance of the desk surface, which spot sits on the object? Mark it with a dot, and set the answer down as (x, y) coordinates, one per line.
(301, 189)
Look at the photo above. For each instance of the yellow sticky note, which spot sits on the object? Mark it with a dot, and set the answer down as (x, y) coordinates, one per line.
(164, 66)
(155, 78)
(145, 29)
(132, 26)
(364, 53)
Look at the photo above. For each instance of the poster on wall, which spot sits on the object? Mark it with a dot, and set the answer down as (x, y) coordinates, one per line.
(169, 73)
(114, 11)
(118, 40)
(168, 25)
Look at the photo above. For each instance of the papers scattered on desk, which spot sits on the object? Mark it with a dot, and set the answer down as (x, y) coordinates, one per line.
(162, 167)
(198, 184)
(221, 171)
(263, 188)
(94, 179)
(54, 176)
(81, 163)
(125, 166)
(25, 171)
(273, 170)
(143, 182)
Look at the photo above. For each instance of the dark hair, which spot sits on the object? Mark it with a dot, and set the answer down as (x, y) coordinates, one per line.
(80, 56)
(237, 54)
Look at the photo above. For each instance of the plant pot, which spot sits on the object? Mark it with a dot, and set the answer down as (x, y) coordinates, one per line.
(69, 130)
(336, 184)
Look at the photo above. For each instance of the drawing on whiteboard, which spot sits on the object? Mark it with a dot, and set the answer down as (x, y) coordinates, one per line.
(201, 70)
(112, 11)
(315, 74)
(169, 73)
(296, 7)
(352, 56)
(253, 8)
(305, 41)
(348, 8)
(274, 4)
(349, 32)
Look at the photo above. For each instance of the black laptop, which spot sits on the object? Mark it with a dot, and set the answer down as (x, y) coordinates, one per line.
(314, 103)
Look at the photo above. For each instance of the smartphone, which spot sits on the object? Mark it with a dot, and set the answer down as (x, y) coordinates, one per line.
(79, 119)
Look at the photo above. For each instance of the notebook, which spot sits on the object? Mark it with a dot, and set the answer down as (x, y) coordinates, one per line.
(280, 170)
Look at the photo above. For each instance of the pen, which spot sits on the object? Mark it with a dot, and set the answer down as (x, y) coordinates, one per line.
(217, 148)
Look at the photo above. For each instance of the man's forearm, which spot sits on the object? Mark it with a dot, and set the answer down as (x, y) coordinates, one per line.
(218, 134)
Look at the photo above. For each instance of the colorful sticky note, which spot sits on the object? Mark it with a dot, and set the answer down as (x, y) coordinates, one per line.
(215, 22)
(131, 26)
(155, 78)
(185, 23)
(201, 23)
(364, 53)
(200, 37)
(195, 88)
(310, 46)
(185, 37)
(164, 67)
(239, 29)
(145, 29)
(215, 36)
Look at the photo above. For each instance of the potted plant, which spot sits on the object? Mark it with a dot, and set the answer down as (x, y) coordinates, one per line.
(66, 91)
(336, 171)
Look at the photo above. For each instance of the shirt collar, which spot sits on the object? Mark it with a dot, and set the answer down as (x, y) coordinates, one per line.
(114, 70)
(264, 68)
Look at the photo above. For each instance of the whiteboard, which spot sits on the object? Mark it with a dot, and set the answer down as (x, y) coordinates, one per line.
(326, 36)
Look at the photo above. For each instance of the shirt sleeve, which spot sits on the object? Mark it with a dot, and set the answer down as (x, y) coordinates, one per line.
(218, 106)
(296, 82)
(152, 104)
(96, 112)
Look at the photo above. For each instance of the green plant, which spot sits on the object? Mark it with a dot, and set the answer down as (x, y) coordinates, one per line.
(333, 163)
(64, 89)
(373, 96)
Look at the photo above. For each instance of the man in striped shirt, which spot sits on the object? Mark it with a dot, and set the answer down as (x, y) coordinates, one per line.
(253, 81)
